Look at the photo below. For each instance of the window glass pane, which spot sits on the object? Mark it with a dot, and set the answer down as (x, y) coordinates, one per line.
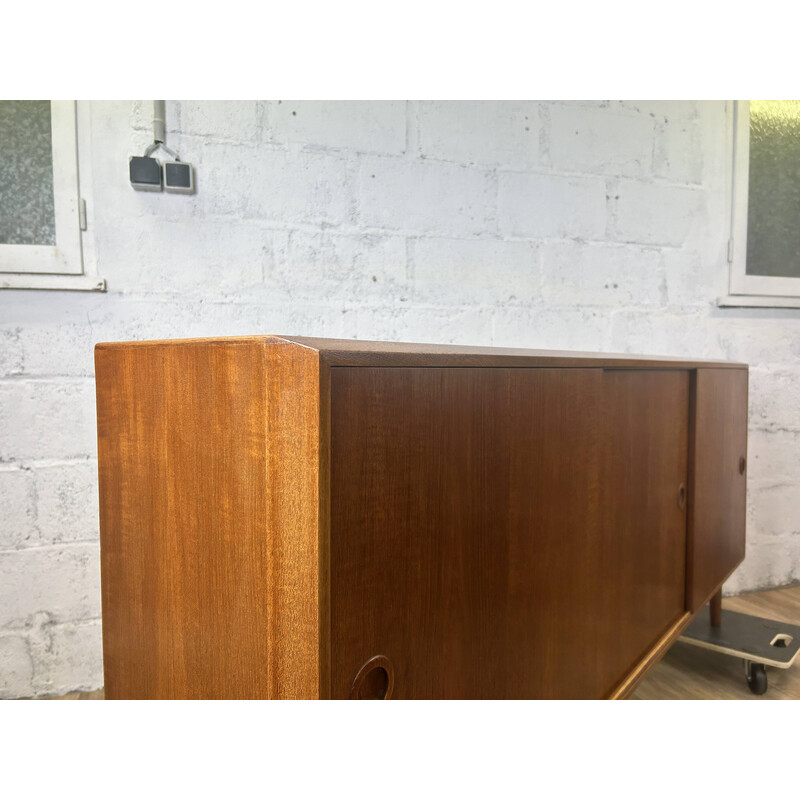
(27, 213)
(773, 232)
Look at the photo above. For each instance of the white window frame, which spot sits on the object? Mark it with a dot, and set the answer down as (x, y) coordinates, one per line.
(744, 289)
(59, 266)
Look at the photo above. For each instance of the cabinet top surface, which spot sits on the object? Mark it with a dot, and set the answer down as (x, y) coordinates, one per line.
(358, 353)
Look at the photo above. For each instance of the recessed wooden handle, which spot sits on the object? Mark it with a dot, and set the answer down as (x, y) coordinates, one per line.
(681, 497)
(374, 681)
(742, 465)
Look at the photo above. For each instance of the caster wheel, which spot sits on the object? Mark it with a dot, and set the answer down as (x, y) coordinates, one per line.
(756, 677)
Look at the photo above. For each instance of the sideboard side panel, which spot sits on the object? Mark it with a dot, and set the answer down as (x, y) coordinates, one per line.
(718, 492)
(183, 516)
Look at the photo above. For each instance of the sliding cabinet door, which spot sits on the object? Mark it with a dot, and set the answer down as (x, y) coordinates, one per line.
(718, 502)
(502, 533)
(465, 530)
(643, 499)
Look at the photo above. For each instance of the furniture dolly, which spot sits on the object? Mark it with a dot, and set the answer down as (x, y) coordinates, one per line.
(759, 642)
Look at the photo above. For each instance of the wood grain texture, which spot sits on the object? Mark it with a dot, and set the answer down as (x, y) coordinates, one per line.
(297, 490)
(183, 515)
(213, 579)
(643, 557)
(504, 533)
(640, 670)
(691, 673)
(354, 352)
(718, 482)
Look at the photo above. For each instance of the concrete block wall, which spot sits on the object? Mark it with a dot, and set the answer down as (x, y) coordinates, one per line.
(570, 225)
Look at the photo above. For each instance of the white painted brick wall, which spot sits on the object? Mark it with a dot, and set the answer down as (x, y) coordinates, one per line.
(378, 127)
(653, 213)
(16, 665)
(423, 197)
(678, 154)
(532, 205)
(32, 422)
(577, 273)
(591, 226)
(499, 272)
(238, 121)
(17, 508)
(346, 269)
(66, 500)
(492, 133)
(62, 580)
(593, 141)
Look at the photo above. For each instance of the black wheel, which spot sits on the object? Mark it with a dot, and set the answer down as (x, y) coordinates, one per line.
(756, 678)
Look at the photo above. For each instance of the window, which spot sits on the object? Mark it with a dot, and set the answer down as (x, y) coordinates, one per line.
(41, 212)
(765, 235)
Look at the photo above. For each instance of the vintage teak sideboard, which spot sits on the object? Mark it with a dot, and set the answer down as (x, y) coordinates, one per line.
(284, 517)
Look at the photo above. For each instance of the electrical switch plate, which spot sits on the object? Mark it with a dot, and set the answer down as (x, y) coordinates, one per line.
(145, 173)
(178, 177)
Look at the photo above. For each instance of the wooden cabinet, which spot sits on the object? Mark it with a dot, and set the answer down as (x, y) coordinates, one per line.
(288, 517)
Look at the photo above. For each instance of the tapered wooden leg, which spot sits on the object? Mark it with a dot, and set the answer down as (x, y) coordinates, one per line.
(715, 608)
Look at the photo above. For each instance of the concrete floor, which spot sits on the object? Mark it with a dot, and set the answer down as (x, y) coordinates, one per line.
(690, 673)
